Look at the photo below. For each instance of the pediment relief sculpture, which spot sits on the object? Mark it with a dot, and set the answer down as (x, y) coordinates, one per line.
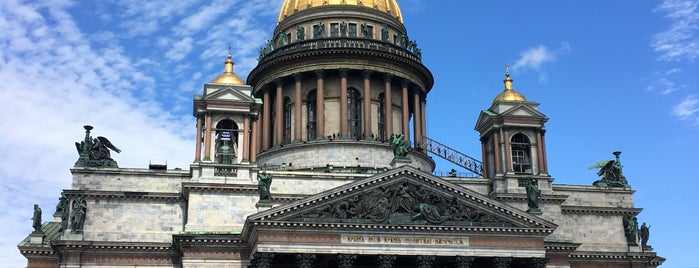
(404, 202)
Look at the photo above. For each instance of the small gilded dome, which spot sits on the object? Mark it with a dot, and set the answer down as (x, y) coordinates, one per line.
(509, 94)
(228, 76)
(292, 6)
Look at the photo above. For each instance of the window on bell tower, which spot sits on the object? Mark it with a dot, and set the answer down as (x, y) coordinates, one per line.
(226, 141)
(521, 154)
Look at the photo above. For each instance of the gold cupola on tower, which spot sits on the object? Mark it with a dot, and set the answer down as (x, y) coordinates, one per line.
(292, 6)
(509, 94)
(228, 76)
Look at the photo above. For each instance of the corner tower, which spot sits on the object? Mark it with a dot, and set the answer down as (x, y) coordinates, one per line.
(513, 145)
(337, 79)
(226, 114)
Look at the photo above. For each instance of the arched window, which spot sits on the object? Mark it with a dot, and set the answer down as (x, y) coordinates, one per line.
(287, 120)
(311, 115)
(521, 154)
(354, 113)
(226, 141)
(383, 112)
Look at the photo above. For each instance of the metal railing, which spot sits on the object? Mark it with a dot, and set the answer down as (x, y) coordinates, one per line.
(454, 156)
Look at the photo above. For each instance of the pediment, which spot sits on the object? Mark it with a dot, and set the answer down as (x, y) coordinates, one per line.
(405, 198)
(228, 94)
(523, 110)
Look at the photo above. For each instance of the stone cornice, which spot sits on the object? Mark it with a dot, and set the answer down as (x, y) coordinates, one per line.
(92, 194)
(594, 189)
(592, 256)
(44, 251)
(113, 247)
(198, 239)
(600, 210)
(560, 246)
(553, 199)
(391, 228)
(174, 173)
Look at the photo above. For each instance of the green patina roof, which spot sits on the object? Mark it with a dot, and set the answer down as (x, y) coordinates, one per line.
(51, 231)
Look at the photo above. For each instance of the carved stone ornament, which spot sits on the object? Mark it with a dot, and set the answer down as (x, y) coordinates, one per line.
(95, 152)
(403, 202)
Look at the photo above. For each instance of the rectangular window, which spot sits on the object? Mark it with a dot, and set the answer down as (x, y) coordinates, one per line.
(334, 29)
(352, 30)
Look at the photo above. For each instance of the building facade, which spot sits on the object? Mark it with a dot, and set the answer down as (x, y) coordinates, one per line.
(320, 159)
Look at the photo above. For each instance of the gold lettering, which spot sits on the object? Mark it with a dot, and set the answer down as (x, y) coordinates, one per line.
(374, 239)
(393, 239)
(355, 239)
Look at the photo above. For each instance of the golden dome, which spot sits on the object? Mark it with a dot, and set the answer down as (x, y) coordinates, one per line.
(509, 94)
(228, 76)
(292, 6)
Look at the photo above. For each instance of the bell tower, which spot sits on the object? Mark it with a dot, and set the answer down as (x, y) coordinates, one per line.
(226, 117)
(513, 142)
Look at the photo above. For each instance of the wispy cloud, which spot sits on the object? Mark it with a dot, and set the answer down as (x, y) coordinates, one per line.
(680, 41)
(535, 57)
(58, 78)
(663, 86)
(688, 109)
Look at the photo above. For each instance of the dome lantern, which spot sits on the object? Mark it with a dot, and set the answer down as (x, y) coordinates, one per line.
(509, 94)
(228, 76)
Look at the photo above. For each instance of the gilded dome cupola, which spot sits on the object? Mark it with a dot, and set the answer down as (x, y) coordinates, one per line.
(290, 7)
(509, 94)
(228, 76)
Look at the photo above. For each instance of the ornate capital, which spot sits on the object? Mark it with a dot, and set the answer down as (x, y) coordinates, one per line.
(279, 82)
(425, 261)
(320, 73)
(385, 261)
(344, 72)
(305, 260)
(538, 262)
(367, 74)
(501, 262)
(387, 77)
(297, 77)
(345, 261)
(464, 262)
(404, 83)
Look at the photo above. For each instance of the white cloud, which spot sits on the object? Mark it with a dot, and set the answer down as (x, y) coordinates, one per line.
(681, 40)
(664, 86)
(54, 82)
(535, 57)
(57, 79)
(179, 49)
(688, 109)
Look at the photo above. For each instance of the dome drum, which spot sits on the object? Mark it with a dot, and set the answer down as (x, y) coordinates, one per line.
(342, 156)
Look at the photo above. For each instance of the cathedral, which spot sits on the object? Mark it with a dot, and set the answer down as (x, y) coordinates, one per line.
(321, 159)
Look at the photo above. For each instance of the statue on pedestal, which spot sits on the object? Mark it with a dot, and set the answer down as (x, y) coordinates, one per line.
(78, 215)
(533, 195)
(95, 152)
(264, 181)
(36, 220)
(611, 173)
(399, 145)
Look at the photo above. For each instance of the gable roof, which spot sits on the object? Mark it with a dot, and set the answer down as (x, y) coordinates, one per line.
(402, 199)
(525, 111)
(228, 94)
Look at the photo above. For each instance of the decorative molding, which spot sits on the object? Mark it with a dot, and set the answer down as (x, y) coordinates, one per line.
(600, 210)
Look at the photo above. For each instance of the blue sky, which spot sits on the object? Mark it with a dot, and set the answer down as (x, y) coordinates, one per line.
(611, 75)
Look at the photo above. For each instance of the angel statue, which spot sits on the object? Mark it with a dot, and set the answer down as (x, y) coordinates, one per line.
(400, 146)
(95, 152)
(610, 170)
